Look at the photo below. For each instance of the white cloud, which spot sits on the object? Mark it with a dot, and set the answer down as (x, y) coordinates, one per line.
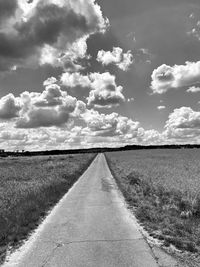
(161, 107)
(68, 59)
(116, 57)
(192, 16)
(165, 77)
(51, 126)
(183, 125)
(184, 117)
(14, 135)
(104, 91)
(75, 79)
(130, 99)
(116, 130)
(193, 89)
(99, 124)
(49, 81)
(150, 137)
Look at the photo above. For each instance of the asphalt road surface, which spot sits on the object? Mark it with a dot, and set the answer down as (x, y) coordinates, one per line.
(89, 227)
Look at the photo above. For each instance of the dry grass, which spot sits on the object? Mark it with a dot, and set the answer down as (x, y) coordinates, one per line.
(29, 187)
(164, 187)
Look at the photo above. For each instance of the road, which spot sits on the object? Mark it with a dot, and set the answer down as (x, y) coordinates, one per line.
(89, 227)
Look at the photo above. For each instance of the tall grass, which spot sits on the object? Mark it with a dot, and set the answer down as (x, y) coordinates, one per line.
(29, 187)
(163, 186)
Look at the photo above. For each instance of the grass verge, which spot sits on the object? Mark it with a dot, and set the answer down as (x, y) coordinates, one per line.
(29, 187)
(165, 213)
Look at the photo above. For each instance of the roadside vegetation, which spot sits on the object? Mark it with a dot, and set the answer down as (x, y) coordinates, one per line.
(163, 187)
(29, 188)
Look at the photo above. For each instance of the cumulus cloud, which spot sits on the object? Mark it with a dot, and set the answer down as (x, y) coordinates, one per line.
(166, 77)
(75, 79)
(150, 137)
(105, 98)
(43, 31)
(193, 89)
(51, 127)
(184, 117)
(9, 107)
(53, 111)
(51, 96)
(46, 121)
(183, 124)
(44, 118)
(52, 107)
(104, 91)
(49, 81)
(14, 135)
(110, 124)
(116, 130)
(116, 57)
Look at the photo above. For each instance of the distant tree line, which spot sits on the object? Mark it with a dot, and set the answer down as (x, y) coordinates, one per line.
(4, 153)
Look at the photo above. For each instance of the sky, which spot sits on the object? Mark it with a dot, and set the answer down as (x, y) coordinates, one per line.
(81, 74)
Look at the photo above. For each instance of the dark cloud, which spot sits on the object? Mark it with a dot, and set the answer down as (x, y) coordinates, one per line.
(165, 77)
(12, 46)
(45, 115)
(49, 22)
(52, 107)
(43, 118)
(45, 27)
(50, 25)
(7, 8)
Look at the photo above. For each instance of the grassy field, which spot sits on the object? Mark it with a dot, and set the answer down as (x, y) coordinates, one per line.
(164, 188)
(29, 187)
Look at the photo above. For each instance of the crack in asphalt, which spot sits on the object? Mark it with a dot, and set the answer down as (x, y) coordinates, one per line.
(48, 258)
(95, 240)
(59, 245)
(92, 241)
